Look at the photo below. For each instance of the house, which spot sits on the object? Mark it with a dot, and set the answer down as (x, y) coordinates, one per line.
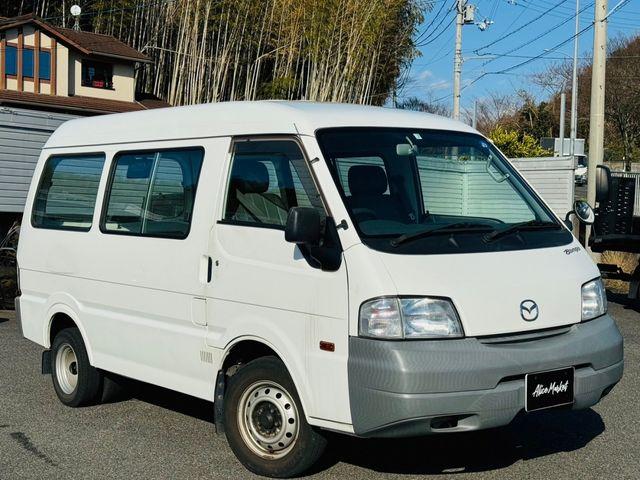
(49, 75)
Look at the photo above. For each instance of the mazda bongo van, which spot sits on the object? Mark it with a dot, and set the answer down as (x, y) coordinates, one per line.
(309, 267)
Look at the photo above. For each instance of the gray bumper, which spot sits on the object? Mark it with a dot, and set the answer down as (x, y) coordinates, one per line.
(420, 387)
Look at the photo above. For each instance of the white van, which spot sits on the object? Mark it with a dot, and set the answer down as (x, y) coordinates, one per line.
(309, 267)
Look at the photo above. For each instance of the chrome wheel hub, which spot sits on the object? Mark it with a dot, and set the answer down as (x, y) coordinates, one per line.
(67, 369)
(268, 419)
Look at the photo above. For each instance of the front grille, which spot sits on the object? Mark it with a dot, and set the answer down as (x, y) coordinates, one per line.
(525, 336)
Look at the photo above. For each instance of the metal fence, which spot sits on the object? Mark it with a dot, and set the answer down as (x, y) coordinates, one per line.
(636, 175)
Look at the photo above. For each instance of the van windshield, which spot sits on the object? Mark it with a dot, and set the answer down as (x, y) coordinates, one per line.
(413, 191)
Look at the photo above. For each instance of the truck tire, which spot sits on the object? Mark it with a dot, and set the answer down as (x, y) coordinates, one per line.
(265, 424)
(75, 381)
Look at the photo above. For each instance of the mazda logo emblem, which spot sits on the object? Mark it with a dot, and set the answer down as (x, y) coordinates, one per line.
(529, 310)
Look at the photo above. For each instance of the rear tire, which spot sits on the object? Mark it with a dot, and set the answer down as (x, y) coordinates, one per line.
(75, 381)
(265, 424)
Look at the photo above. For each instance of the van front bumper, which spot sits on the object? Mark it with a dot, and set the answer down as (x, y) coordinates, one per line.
(410, 388)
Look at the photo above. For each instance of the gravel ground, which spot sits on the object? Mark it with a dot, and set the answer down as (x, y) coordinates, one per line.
(161, 434)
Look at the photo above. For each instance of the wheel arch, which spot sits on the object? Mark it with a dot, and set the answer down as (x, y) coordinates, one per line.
(253, 348)
(61, 315)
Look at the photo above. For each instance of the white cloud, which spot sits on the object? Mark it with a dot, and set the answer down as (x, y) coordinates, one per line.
(424, 75)
(439, 85)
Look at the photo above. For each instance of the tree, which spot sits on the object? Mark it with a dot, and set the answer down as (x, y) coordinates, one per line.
(205, 50)
(537, 119)
(496, 110)
(516, 144)
(427, 106)
(622, 98)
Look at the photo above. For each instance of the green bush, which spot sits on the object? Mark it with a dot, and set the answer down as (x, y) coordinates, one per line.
(517, 144)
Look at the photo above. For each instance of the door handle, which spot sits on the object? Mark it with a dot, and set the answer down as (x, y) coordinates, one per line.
(205, 269)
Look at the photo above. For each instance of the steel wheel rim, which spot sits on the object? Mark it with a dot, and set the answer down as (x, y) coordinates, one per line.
(268, 419)
(67, 369)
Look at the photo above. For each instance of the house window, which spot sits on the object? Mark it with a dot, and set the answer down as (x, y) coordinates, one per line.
(11, 60)
(45, 65)
(97, 75)
(27, 62)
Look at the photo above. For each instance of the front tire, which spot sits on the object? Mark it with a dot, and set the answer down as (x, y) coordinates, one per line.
(75, 381)
(265, 424)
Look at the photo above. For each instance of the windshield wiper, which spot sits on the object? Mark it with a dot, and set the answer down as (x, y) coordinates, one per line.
(449, 228)
(519, 227)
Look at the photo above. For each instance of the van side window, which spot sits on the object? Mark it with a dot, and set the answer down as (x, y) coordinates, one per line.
(66, 195)
(152, 193)
(268, 177)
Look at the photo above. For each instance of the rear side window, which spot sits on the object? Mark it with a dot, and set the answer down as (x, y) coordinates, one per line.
(66, 196)
(152, 193)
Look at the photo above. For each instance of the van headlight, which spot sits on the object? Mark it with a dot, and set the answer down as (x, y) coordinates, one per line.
(400, 317)
(594, 299)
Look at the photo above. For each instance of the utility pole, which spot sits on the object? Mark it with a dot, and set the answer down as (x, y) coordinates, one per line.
(563, 103)
(457, 61)
(465, 15)
(596, 120)
(574, 84)
(474, 120)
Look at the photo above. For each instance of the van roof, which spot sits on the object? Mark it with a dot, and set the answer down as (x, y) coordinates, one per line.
(238, 118)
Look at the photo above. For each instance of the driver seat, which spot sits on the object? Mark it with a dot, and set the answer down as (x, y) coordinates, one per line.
(368, 184)
(249, 199)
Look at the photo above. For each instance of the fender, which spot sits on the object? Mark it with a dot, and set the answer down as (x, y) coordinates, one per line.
(66, 304)
(301, 386)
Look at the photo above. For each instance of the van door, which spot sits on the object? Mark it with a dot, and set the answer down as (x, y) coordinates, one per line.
(265, 289)
(144, 271)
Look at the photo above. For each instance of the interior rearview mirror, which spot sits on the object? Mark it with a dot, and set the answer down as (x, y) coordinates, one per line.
(603, 179)
(304, 226)
(405, 150)
(583, 211)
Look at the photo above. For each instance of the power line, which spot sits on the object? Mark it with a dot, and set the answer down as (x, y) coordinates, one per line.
(424, 42)
(427, 27)
(521, 64)
(537, 37)
(515, 20)
(477, 50)
(559, 14)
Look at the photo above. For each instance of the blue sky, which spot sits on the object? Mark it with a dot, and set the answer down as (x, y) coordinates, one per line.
(431, 75)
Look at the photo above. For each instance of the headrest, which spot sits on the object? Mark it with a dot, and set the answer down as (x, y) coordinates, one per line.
(367, 180)
(249, 176)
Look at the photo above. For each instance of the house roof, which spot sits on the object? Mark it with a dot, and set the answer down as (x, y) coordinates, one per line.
(99, 44)
(76, 103)
(86, 42)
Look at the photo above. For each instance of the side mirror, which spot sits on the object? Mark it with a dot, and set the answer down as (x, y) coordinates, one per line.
(304, 226)
(603, 179)
(583, 211)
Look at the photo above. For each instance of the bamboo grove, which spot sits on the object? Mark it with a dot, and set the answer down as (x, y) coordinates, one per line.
(215, 50)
